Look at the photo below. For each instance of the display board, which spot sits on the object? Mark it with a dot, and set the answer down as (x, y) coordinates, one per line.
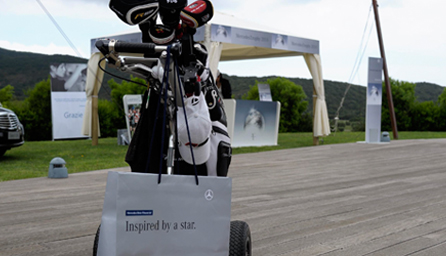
(132, 107)
(374, 101)
(68, 99)
(256, 123)
(265, 92)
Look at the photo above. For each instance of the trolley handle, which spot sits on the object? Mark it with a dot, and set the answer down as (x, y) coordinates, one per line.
(109, 46)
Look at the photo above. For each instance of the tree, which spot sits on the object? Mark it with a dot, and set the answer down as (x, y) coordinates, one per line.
(425, 116)
(442, 111)
(119, 90)
(341, 126)
(403, 94)
(6, 94)
(442, 99)
(111, 113)
(359, 125)
(35, 113)
(110, 118)
(292, 100)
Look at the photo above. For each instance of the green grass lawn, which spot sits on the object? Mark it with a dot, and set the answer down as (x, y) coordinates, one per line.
(33, 158)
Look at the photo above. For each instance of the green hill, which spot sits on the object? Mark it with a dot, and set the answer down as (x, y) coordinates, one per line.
(23, 70)
(354, 104)
(427, 91)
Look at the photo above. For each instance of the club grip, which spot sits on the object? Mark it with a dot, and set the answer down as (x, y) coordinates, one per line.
(144, 48)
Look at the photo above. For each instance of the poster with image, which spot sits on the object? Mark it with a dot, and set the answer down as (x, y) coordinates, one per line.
(68, 77)
(279, 42)
(220, 33)
(265, 92)
(256, 123)
(68, 99)
(374, 101)
(132, 106)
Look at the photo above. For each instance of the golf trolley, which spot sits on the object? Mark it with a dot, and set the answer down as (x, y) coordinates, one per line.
(174, 73)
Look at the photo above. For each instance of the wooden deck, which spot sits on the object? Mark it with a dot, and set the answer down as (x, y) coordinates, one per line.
(332, 200)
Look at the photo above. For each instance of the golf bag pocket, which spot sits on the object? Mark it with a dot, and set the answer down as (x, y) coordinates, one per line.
(224, 158)
(147, 128)
(221, 151)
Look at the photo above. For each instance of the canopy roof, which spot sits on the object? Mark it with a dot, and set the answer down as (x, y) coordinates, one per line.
(229, 38)
(242, 39)
(246, 40)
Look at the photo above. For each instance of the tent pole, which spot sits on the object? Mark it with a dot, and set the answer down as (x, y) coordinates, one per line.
(94, 121)
(315, 139)
(386, 73)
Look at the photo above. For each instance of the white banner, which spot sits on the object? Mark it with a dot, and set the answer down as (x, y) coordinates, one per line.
(68, 99)
(227, 34)
(374, 101)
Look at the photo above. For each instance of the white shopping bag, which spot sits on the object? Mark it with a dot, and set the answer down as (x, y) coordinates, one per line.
(174, 218)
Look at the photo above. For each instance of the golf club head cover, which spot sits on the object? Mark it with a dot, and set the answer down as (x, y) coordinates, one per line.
(134, 12)
(161, 34)
(197, 14)
(145, 29)
(201, 53)
(169, 11)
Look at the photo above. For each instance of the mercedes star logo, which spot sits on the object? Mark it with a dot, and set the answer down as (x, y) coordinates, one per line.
(209, 195)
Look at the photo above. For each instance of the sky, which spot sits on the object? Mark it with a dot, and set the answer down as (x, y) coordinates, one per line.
(413, 33)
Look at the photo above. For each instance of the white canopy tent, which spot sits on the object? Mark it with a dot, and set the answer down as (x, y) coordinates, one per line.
(229, 38)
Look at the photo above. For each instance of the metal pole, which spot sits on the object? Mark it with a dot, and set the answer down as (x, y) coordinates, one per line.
(94, 120)
(315, 139)
(386, 73)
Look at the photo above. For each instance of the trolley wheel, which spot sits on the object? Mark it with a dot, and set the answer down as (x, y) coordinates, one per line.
(96, 241)
(240, 239)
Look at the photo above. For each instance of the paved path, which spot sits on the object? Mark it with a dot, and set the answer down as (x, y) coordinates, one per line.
(331, 200)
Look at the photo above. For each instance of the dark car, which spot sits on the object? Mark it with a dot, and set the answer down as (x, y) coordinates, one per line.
(12, 133)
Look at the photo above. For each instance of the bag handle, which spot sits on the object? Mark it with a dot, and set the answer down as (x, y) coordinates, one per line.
(163, 131)
(164, 87)
(153, 130)
(187, 124)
